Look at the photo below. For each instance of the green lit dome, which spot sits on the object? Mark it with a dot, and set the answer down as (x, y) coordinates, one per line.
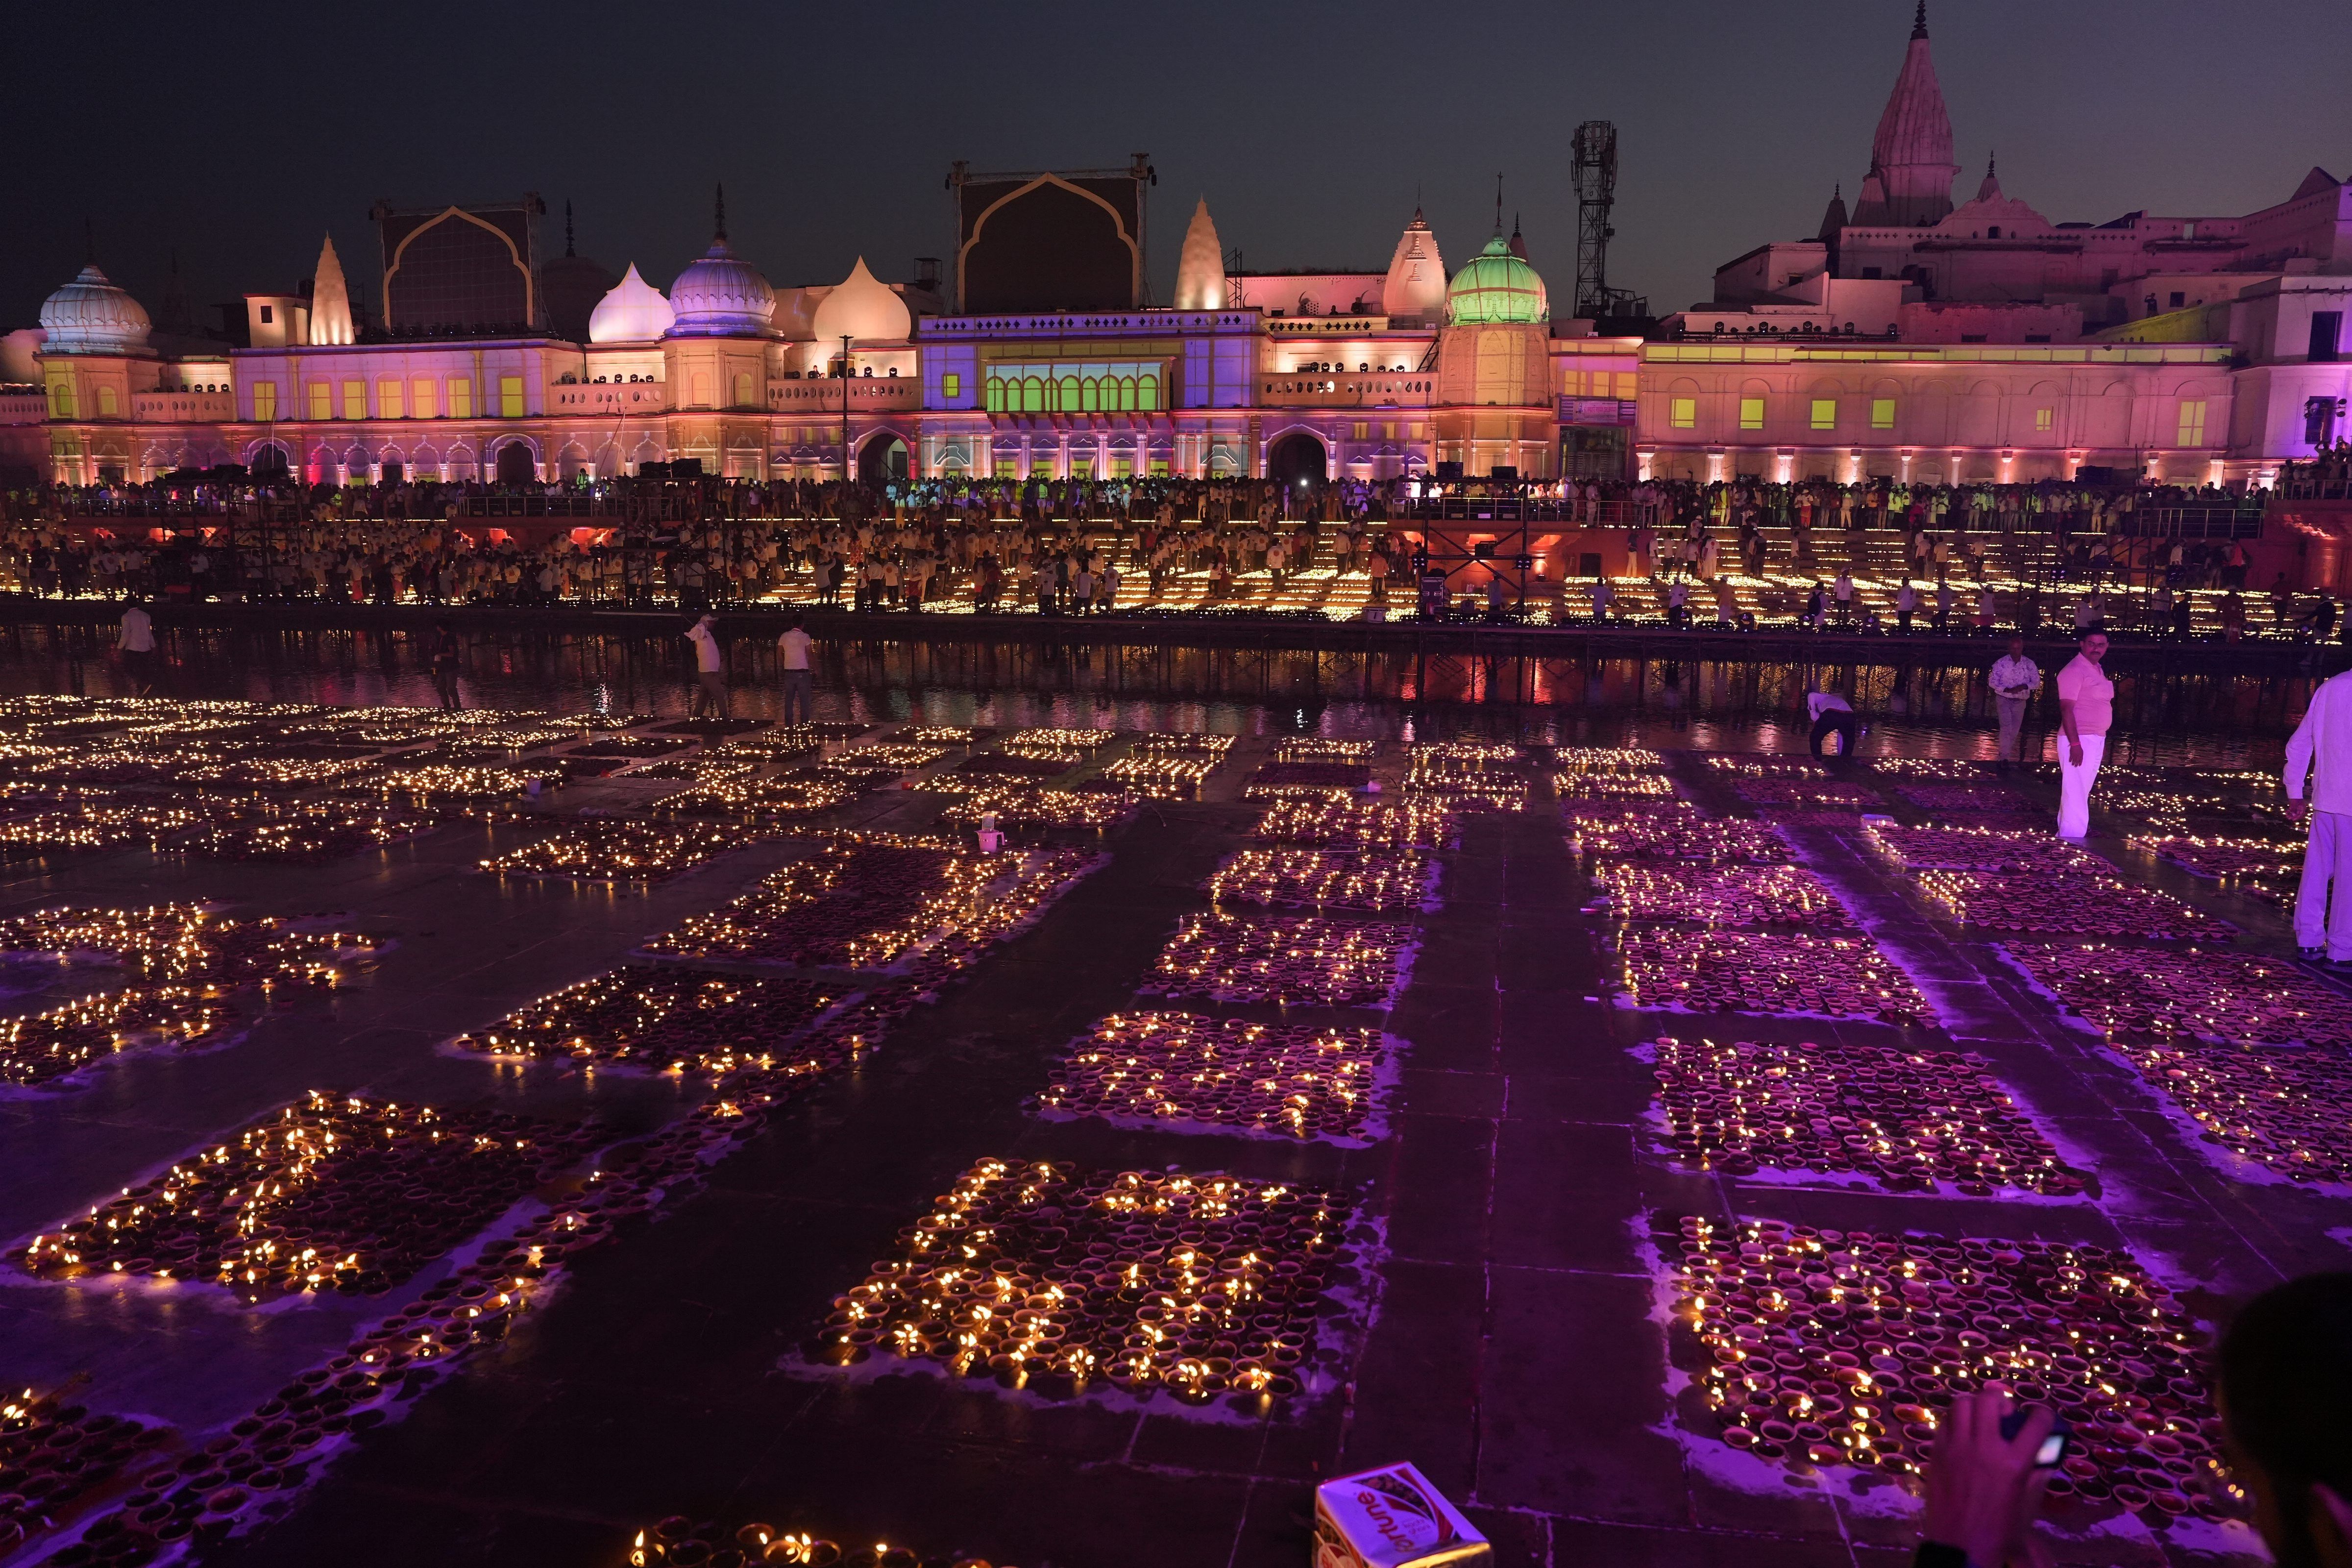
(1496, 285)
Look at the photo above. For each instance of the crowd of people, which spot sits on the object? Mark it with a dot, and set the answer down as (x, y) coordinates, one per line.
(2326, 475)
(1085, 546)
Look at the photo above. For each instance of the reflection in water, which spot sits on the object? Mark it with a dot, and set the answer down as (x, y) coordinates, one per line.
(1921, 709)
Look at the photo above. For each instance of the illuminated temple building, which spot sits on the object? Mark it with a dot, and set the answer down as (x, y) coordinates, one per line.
(1908, 337)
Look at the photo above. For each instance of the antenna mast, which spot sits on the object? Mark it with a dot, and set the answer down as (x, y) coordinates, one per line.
(1595, 165)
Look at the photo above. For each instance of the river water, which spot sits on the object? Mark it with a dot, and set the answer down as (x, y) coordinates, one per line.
(1728, 704)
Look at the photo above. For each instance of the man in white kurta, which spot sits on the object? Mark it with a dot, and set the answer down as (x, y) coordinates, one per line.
(2321, 748)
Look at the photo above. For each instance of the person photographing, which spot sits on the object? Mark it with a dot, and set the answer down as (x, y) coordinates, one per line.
(2283, 1380)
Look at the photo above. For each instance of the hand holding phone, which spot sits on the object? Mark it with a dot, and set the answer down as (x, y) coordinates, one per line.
(2055, 1446)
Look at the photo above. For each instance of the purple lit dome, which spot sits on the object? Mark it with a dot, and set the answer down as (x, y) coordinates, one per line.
(722, 295)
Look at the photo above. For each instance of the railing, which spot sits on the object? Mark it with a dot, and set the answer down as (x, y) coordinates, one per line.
(866, 393)
(2192, 522)
(1394, 389)
(539, 506)
(1528, 509)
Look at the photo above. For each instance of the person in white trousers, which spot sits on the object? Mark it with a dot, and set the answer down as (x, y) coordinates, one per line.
(2321, 749)
(2086, 706)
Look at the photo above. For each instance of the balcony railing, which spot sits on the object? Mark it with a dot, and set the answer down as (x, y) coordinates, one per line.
(1356, 389)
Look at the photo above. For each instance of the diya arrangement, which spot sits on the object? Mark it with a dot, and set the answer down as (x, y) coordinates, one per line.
(1304, 959)
(1826, 1348)
(1061, 1280)
(1290, 1079)
(1907, 1120)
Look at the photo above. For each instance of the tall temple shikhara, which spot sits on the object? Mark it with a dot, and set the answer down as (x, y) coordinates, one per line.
(1905, 336)
(1911, 166)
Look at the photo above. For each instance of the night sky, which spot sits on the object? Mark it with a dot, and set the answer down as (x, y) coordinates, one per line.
(239, 133)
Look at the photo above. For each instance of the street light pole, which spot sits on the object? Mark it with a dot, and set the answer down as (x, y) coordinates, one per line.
(845, 341)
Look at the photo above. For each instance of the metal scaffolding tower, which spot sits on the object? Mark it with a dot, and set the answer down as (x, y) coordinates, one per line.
(1595, 167)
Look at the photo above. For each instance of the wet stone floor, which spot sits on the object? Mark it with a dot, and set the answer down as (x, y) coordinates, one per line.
(1496, 1315)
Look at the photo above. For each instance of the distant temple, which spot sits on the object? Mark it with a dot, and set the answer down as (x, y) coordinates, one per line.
(1920, 340)
(1907, 337)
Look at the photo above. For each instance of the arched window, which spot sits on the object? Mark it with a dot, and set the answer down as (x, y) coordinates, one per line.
(106, 408)
(1070, 391)
(1127, 394)
(996, 395)
(742, 389)
(1033, 395)
(1090, 396)
(1147, 392)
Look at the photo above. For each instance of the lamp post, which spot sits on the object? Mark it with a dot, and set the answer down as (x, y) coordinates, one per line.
(845, 341)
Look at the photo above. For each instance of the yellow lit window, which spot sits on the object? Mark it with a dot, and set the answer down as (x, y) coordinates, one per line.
(1824, 413)
(1882, 413)
(107, 408)
(1363, 430)
(2045, 420)
(61, 397)
(511, 395)
(420, 406)
(742, 390)
(951, 384)
(461, 398)
(265, 400)
(1751, 414)
(1628, 385)
(355, 400)
(1572, 382)
(323, 400)
(2192, 423)
(388, 399)
(1682, 413)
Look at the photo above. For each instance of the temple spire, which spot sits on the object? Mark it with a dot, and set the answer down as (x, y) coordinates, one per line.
(331, 300)
(1920, 22)
(719, 218)
(1199, 269)
(1911, 163)
(567, 227)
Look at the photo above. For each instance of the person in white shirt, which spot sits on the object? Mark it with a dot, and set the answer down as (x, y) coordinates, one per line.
(2321, 749)
(2086, 707)
(1833, 715)
(792, 647)
(710, 671)
(136, 647)
(2015, 679)
(1906, 600)
(1843, 592)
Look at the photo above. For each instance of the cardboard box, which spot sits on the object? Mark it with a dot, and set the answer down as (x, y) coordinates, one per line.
(1391, 1518)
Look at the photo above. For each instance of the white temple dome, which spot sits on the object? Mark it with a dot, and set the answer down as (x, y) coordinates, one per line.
(864, 308)
(93, 316)
(632, 311)
(721, 295)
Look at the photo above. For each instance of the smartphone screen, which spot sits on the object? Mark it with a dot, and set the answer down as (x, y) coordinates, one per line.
(2053, 1450)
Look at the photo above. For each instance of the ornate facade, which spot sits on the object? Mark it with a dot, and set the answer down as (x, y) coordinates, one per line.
(1308, 376)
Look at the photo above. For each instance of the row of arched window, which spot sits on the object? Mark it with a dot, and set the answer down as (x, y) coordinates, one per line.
(1072, 395)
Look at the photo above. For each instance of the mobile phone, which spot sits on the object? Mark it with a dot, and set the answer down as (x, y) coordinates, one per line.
(2052, 1452)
